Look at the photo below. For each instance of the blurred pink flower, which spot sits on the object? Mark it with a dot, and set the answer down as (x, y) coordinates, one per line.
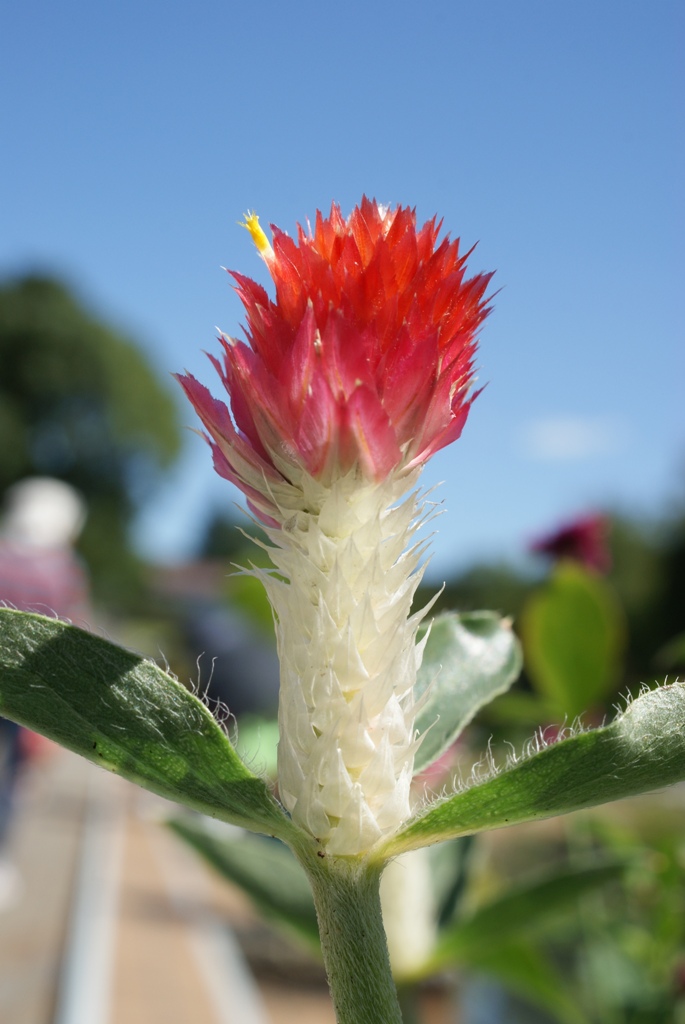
(584, 540)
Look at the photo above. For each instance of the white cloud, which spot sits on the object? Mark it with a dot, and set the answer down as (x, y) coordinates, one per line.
(572, 438)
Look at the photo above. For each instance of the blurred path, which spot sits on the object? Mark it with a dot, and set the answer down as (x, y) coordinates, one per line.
(116, 923)
(44, 845)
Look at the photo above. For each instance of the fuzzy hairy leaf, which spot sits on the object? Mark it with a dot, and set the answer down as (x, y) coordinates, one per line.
(469, 659)
(127, 715)
(641, 750)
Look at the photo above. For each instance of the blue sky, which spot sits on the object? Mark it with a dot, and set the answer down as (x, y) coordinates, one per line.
(135, 135)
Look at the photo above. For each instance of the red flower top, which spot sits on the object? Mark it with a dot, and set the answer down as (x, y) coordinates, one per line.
(365, 357)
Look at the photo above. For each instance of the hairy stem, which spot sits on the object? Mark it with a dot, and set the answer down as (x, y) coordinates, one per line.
(355, 952)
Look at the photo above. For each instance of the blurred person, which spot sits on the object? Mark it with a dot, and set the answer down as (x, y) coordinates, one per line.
(39, 572)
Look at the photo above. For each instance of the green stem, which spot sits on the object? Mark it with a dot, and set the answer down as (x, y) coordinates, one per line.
(347, 897)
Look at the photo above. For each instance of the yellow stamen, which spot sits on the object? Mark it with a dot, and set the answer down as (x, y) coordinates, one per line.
(251, 222)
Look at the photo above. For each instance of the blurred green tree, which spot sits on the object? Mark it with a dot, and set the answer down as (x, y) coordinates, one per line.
(223, 537)
(80, 402)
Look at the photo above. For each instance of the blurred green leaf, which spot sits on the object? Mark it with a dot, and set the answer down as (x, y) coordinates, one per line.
(257, 743)
(468, 660)
(672, 654)
(521, 709)
(264, 869)
(643, 749)
(521, 910)
(525, 971)
(450, 866)
(572, 631)
(619, 984)
(127, 715)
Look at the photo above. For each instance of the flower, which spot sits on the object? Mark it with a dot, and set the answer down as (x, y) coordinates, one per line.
(356, 373)
(584, 540)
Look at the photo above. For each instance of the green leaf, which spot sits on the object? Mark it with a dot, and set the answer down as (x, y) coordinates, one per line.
(127, 715)
(523, 909)
(572, 632)
(264, 869)
(450, 865)
(468, 660)
(525, 971)
(643, 749)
